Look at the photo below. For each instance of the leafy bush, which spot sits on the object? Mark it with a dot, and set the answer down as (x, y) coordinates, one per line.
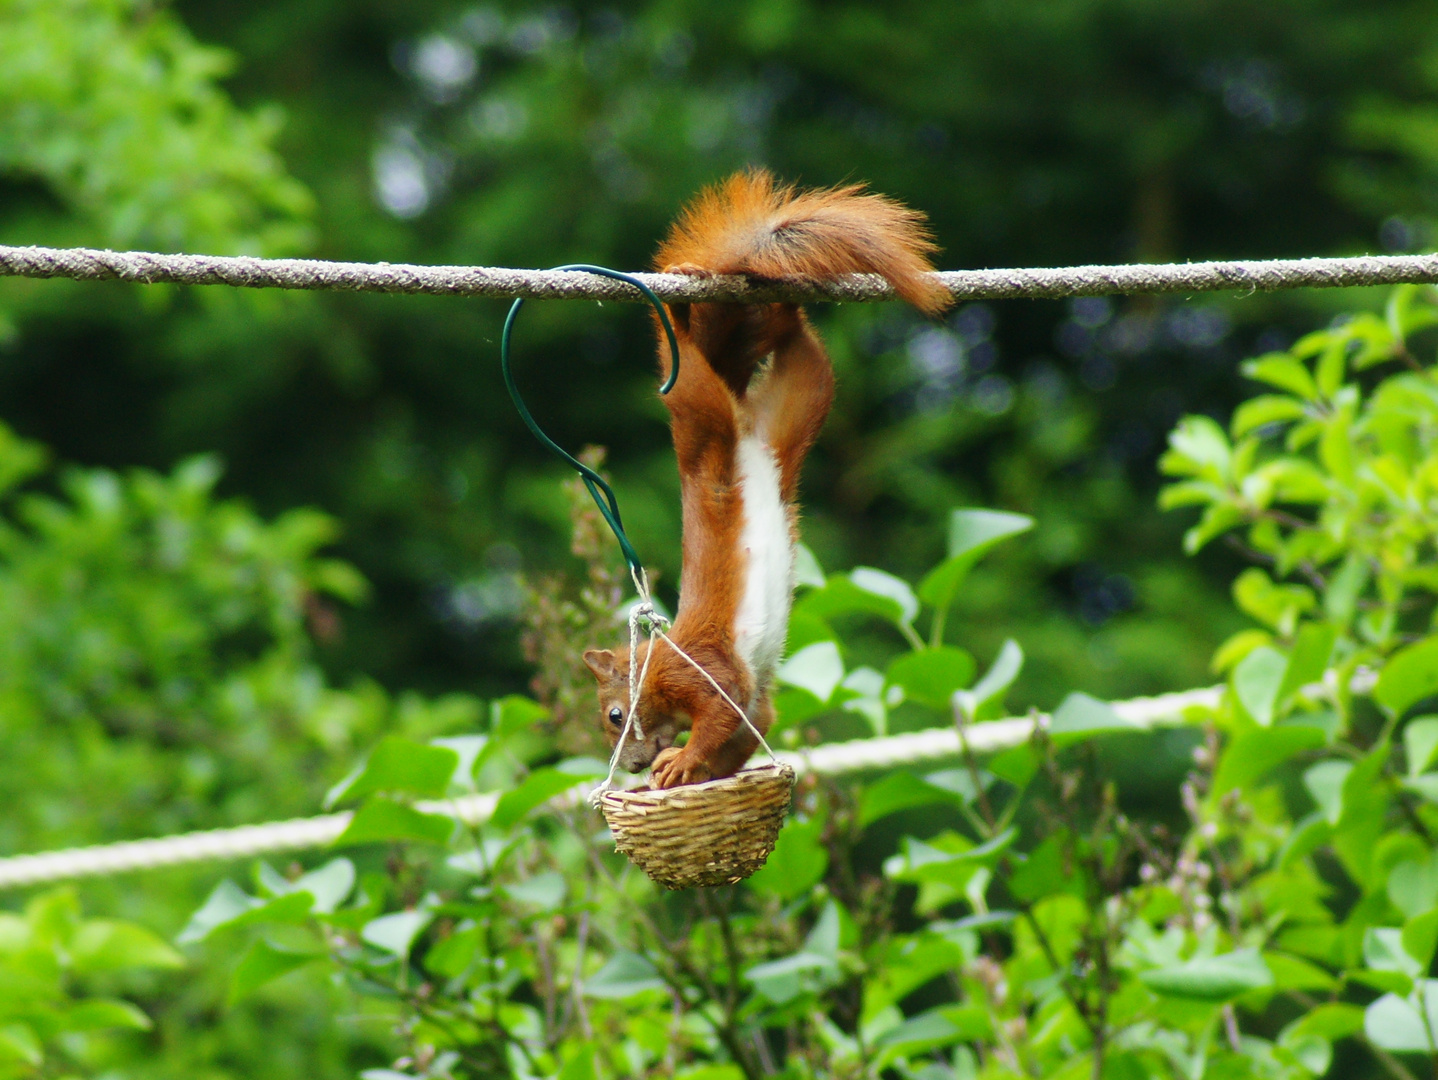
(141, 609)
(1002, 917)
(47, 1026)
(115, 108)
(159, 673)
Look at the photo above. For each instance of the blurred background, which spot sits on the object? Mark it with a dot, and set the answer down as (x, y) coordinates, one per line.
(186, 647)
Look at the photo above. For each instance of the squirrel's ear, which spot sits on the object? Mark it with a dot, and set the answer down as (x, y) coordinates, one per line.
(601, 662)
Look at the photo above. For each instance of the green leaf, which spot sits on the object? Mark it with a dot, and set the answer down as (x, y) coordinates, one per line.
(1345, 588)
(1403, 1024)
(823, 938)
(782, 980)
(1276, 606)
(920, 862)
(899, 791)
(624, 976)
(1292, 480)
(1312, 651)
(793, 706)
(103, 945)
(1216, 520)
(817, 668)
(1413, 885)
(452, 956)
(1383, 950)
(264, 963)
(1265, 409)
(1284, 372)
(807, 570)
(930, 1031)
(892, 588)
(510, 716)
(1365, 798)
(545, 891)
(537, 789)
(1256, 680)
(1409, 676)
(1294, 973)
(329, 884)
(1198, 447)
(798, 861)
(98, 1014)
(842, 595)
(230, 907)
(931, 677)
(401, 766)
(1328, 1021)
(959, 783)
(1043, 871)
(986, 700)
(1420, 938)
(382, 819)
(1016, 765)
(1211, 978)
(1420, 743)
(1080, 716)
(1190, 493)
(1425, 785)
(1255, 753)
(395, 932)
(470, 749)
(1324, 782)
(226, 902)
(18, 1043)
(806, 629)
(972, 534)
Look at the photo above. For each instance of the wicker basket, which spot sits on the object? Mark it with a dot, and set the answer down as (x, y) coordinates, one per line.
(715, 833)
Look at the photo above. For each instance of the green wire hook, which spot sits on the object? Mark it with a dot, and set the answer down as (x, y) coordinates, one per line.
(607, 503)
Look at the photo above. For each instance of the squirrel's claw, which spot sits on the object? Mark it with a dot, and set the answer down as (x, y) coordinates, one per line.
(674, 768)
(691, 269)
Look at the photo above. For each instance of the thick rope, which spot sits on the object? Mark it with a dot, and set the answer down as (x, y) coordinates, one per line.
(829, 759)
(86, 264)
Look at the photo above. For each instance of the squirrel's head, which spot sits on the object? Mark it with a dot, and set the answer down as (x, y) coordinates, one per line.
(651, 731)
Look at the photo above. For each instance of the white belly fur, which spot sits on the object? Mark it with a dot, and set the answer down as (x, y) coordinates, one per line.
(762, 621)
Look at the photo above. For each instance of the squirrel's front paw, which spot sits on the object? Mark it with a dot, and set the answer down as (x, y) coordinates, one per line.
(674, 768)
(692, 269)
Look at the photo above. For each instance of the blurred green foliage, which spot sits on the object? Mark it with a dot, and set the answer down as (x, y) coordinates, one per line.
(49, 1025)
(112, 109)
(993, 918)
(175, 659)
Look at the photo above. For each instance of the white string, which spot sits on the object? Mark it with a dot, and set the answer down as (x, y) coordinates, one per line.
(699, 668)
(646, 611)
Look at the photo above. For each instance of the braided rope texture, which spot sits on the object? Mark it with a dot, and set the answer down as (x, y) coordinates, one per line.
(715, 833)
(248, 841)
(88, 264)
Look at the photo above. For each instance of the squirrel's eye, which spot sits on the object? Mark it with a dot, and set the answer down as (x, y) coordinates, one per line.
(616, 716)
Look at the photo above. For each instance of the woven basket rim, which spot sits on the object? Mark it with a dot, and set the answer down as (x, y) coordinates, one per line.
(759, 774)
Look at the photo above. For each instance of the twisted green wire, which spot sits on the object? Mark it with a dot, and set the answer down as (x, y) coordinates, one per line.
(607, 503)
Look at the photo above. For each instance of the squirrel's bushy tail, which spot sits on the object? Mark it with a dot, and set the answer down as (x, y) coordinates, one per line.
(748, 225)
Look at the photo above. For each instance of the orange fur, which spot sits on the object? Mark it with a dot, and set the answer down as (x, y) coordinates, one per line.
(745, 370)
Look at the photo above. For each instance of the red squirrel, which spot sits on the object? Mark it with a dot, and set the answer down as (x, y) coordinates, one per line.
(754, 389)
